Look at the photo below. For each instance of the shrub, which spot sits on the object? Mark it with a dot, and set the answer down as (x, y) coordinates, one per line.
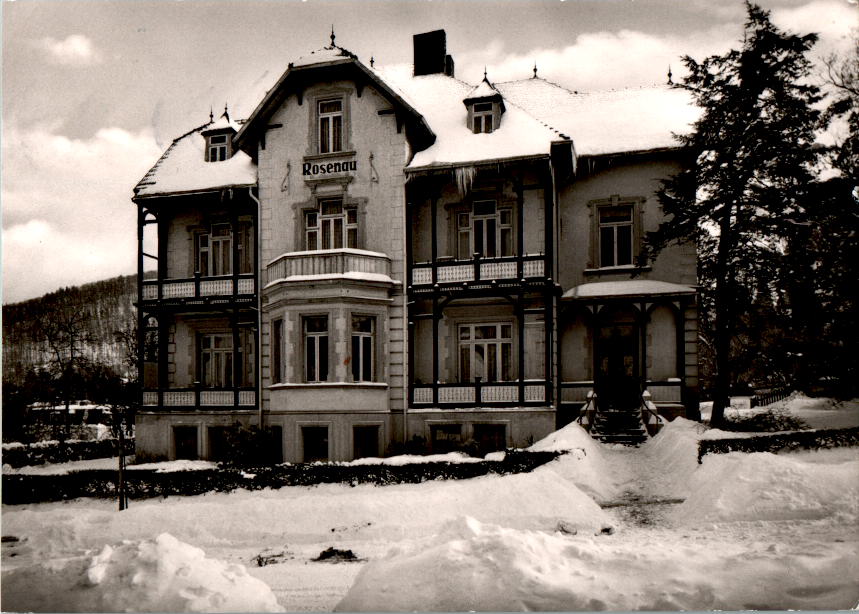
(801, 440)
(770, 421)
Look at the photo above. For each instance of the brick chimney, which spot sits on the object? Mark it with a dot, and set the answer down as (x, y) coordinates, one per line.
(430, 50)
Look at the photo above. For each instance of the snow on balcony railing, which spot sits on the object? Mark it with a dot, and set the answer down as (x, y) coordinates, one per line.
(298, 265)
(457, 271)
(247, 397)
(207, 398)
(188, 288)
(150, 398)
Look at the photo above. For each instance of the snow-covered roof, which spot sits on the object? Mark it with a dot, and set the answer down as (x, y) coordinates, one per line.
(222, 123)
(483, 90)
(183, 168)
(628, 287)
(607, 122)
(439, 99)
(322, 56)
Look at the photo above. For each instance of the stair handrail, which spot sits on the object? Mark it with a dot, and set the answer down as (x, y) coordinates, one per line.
(646, 407)
(590, 409)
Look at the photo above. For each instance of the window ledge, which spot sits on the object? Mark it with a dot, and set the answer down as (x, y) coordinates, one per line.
(613, 270)
(330, 155)
(322, 385)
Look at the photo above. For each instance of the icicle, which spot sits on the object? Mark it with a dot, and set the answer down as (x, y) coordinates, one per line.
(464, 176)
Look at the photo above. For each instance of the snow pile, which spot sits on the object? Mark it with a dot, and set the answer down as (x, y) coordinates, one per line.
(416, 459)
(765, 486)
(583, 464)
(490, 568)
(160, 575)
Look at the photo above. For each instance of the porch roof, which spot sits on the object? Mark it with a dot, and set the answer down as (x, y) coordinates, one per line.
(625, 288)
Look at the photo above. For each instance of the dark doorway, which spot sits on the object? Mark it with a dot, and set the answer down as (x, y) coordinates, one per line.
(490, 438)
(445, 437)
(617, 379)
(185, 442)
(219, 445)
(315, 440)
(365, 441)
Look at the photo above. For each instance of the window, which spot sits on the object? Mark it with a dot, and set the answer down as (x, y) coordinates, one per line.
(332, 226)
(362, 348)
(217, 148)
(277, 351)
(330, 113)
(214, 249)
(485, 352)
(482, 114)
(216, 358)
(487, 230)
(316, 348)
(315, 442)
(615, 235)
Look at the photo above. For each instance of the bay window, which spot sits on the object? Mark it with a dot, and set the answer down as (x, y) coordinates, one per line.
(316, 348)
(362, 348)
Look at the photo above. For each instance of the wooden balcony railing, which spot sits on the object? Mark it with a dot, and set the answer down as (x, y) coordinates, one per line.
(307, 265)
(530, 392)
(198, 287)
(478, 268)
(169, 398)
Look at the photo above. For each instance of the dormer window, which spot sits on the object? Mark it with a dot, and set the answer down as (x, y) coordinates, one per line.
(217, 148)
(482, 120)
(485, 106)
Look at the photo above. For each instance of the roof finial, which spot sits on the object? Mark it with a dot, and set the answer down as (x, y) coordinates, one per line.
(332, 36)
(670, 82)
(484, 74)
(211, 114)
(372, 61)
(535, 71)
(226, 112)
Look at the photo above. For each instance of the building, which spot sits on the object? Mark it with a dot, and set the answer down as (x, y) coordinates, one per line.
(373, 257)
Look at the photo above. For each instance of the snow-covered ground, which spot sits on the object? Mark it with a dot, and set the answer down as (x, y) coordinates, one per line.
(602, 527)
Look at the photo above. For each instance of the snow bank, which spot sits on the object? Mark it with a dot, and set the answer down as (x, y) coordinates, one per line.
(160, 575)
(310, 514)
(764, 486)
(583, 464)
(491, 568)
(415, 459)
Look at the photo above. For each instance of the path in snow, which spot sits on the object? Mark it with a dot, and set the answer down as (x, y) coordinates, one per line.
(644, 499)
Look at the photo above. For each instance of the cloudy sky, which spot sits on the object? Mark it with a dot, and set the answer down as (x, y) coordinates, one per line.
(94, 91)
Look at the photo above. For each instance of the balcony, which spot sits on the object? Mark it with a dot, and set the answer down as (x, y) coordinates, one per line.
(195, 398)
(329, 264)
(444, 271)
(200, 290)
(467, 394)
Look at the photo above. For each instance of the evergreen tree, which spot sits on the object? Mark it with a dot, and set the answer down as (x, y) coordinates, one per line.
(749, 179)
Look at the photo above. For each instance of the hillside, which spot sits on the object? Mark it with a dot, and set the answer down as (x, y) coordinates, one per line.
(108, 305)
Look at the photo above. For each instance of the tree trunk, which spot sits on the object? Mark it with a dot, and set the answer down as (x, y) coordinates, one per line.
(723, 324)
